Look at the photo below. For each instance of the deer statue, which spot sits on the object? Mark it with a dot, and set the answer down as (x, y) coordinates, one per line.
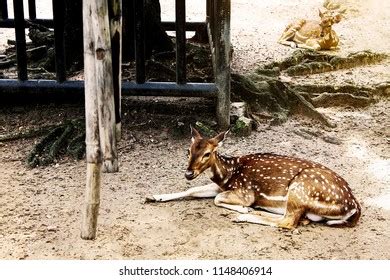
(287, 190)
(314, 35)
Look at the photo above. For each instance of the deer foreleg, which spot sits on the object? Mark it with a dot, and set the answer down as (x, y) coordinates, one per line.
(310, 46)
(287, 221)
(288, 43)
(206, 191)
(236, 201)
(256, 219)
(294, 211)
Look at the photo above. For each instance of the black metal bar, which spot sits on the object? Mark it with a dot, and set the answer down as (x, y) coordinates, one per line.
(32, 10)
(10, 23)
(207, 90)
(4, 9)
(69, 91)
(210, 16)
(167, 25)
(209, 7)
(190, 26)
(58, 18)
(21, 55)
(115, 17)
(181, 42)
(139, 31)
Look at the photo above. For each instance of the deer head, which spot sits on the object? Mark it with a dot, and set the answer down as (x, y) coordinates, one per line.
(328, 18)
(201, 154)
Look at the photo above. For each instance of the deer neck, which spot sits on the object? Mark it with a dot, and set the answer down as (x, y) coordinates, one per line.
(327, 33)
(223, 168)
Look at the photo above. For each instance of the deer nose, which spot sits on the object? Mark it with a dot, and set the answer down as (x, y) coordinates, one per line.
(189, 174)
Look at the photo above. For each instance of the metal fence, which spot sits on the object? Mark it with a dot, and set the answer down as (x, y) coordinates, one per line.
(218, 26)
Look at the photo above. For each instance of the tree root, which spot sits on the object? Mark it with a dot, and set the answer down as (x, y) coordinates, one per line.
(273, 99)
(64, 139)
(31, 133)
(340, 99)
(306, 62)
(346, 95)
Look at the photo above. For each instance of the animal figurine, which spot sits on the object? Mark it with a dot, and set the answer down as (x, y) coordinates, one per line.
(314, 35)
(287, 190)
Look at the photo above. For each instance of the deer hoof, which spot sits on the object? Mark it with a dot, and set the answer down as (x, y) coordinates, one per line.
(150, 199)
(240, 219)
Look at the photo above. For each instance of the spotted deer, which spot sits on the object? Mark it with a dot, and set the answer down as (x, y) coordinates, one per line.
(285, 189)
(314, 35)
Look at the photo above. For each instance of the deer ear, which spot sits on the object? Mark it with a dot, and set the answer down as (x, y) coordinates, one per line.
(337, 18)
(195, 134)
(220, 137)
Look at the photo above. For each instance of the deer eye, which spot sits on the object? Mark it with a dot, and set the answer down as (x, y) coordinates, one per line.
(206, 155)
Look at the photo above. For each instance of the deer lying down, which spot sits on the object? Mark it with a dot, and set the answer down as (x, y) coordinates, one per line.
(288, 189)
(314, 35)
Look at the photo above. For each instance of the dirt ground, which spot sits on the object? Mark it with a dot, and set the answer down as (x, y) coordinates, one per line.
(40, 209)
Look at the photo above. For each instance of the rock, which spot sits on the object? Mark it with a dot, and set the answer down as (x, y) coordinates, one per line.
(52, 228)
(243, 126)
(205, 129)
(238, 109)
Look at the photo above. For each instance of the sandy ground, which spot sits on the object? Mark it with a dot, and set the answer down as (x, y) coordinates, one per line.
(40, 208)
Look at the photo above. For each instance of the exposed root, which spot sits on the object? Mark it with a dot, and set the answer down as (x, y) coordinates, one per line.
(65, 139)
(305, 62)
(340, 99)
(273, 99)
(342, 96)
(31, 133)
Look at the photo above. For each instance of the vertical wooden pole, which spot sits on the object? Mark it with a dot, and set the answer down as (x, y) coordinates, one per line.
(222, 61)
(93, 151)
(115, 15)
(105, 87)
(99, 108)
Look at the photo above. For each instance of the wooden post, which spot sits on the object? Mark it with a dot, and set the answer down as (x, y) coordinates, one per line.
(93, 151)
(105, 87)
(222, 61)
(99, 108)
(115, 16)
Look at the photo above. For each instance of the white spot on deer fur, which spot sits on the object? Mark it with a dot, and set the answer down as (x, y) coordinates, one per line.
(274, 198)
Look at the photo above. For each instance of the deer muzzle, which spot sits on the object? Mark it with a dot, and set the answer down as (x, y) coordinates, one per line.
(189, 174)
